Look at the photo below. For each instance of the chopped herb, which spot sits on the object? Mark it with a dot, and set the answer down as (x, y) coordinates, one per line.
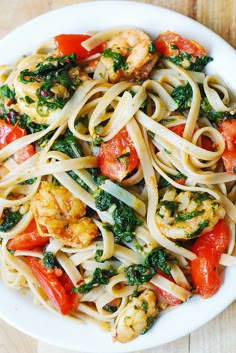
(9, 219)
(186, 216)
(103, 200)
(118, 59)
(173, 46)
(201, 226)
(193, 63)
(69, 145)
(138, 274)
(199, 197)
(119, 159)
(110, 308)
(234, 169)
(167, 121)
(182, 95)
(164, 183)
(169, 205)
(152, 48)
(149, 323)
(97, 256)
(50, 260)
(78, 180)
(144, 305)
(151, 134)
(28, 181)
(5, 91)
(28, 100)
(100, 277)
(158, 258)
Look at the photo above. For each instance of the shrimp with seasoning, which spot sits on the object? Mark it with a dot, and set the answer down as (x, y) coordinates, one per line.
(129, 56)
(58, 213)
(187, 214)
(136, 318)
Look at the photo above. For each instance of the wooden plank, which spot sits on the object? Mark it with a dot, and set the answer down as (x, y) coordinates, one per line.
(218, 336)
(13, 341)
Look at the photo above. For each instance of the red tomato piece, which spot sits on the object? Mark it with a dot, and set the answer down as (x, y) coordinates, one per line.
(168, 43)
(229, 160)
(205, 268)
(118, 157)
(207, 144)
(28, 240)
(228, 131)
(71, 43)
(24, 153)
(9, 133)
(52, 286)
(168, 297)
(178, 129)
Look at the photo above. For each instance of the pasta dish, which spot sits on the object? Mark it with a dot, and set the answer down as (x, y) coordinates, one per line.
(117, 176)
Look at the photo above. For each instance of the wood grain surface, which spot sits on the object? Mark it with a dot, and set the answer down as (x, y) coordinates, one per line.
(218, 336)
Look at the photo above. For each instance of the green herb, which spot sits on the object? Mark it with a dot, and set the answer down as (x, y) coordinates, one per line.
(138, 274)
(50, 260)
(97, 256)
(119, 159)
(186, 216)
(163, 183)
(152, 48)
(69, 145)
(118, 59)
(110, 308)
(182, 95)
(173, 46)
(201, 226)
(100, 277)
(54, 70)
(125, 223)
(144, 305)
(149, 323)
(234, 169)
(194, 63)
(78, 180)
(167, 121)
(103, 200)
(28, 100)
(199, 197)
(28, 181)
(169, 205)
(151, 134)
(159, 258)
(5, 91)
(97, 140)
(214, 116)
(9, 219)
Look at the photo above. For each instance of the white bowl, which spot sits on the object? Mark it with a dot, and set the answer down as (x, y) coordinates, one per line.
(19, 310)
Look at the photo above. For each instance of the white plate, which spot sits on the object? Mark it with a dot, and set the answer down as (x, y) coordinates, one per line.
(19, 310)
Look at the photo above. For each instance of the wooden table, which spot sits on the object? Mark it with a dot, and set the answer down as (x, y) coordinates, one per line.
(218, 336)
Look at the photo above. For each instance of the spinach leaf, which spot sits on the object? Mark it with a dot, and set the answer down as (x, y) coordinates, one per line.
(9, 219)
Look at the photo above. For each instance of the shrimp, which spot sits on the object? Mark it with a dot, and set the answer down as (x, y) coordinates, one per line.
(129, 56)
(62, 216)
(39, 97)
(187, 214)
(136, 318)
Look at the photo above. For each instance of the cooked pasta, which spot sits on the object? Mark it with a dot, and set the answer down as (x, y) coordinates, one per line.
(117, 176)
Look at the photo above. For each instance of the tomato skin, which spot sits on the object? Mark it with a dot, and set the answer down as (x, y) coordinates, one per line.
(178, 129)
(28, 240)
(205, 268)
(71, 43)
(52, 286)
(168, 297)
(9, 133)
(165, 39)
(228, 131)
(24, 153)
(114, 148)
